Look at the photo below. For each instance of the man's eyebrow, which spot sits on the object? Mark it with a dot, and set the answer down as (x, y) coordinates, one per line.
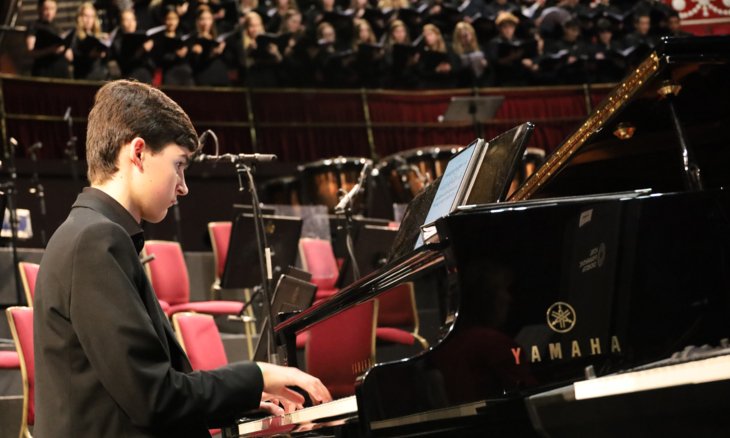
(186, 158)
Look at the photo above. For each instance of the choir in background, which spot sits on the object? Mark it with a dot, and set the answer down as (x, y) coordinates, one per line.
(401, 44)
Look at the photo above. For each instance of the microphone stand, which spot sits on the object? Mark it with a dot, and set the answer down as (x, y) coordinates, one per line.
(70, 150)
(473, 113)
(264, 255)
(349, 227)
(13, 216)
(345, 207)
(178, 222)
(39, 192)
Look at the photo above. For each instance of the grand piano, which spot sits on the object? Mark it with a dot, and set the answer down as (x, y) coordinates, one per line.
(604, 266)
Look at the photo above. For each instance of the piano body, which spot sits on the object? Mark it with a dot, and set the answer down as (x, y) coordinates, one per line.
(615, 254)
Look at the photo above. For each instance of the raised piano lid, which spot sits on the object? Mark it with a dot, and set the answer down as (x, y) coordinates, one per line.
(594, 160)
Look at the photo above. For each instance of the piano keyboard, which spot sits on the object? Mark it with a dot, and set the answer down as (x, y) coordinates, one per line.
(693, 372)
(336, 408)
(680, 399)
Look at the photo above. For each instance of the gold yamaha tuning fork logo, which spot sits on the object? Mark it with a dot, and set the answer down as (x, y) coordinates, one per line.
(561, 317)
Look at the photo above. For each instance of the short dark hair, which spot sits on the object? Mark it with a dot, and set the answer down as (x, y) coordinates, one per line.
(124, 110)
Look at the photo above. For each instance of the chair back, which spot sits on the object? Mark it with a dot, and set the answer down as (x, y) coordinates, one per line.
(397, 307)
(168, 272)
(201, 340)
(21, 327)
(341, 348)
(220, 237)
(28, 276)
(318, 259)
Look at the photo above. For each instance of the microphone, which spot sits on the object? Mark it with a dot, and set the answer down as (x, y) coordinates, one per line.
(67, 118)
(236, 158)
(10, 157)
(347, 199)
(35, 146)
(204, 136)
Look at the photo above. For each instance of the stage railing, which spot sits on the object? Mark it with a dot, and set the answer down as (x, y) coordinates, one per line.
(302, 125)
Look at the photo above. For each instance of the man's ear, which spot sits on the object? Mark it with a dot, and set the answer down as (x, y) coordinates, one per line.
(135, 151)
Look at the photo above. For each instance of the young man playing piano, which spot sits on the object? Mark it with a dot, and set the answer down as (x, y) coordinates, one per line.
(107, 363)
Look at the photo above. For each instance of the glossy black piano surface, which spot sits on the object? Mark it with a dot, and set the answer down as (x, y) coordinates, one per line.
(611, 283)
(579, 268)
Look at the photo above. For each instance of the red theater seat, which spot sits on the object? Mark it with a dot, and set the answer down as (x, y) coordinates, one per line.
(201, 340)
(398, 317)
(9, 360)
(21, 327)
(341, 348)
(220, 237)
(318, 259)
(28, 275)
(168, 274)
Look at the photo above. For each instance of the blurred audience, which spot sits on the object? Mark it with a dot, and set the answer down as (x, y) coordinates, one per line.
(402, 44)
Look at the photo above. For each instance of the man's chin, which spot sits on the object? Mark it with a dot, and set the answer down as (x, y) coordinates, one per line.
(157, 218)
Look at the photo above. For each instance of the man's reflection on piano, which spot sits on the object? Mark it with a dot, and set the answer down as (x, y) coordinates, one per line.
(478, 348)
(474, 360)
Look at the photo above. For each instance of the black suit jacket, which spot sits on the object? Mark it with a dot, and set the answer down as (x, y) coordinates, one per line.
(107, 362)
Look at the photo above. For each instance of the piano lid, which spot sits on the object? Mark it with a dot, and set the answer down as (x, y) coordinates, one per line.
(631, 141)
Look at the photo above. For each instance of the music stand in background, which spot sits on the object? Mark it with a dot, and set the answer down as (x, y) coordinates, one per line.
(291, 295)
(372, 243)
(242, 268)
(246, 208)
(474, 109)
(338, 232)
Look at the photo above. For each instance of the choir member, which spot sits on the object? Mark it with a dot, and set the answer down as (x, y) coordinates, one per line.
(209, 67)
(639, 43)
(472, 66)
(674, 26)
(607, 65)
(133, 49)
(261, 53)
(512, 59)
(90, 46)
(564, 59)
(369, 63)
(295, 66)
(171, 52)
(400, 56)
(51, 53)
(641, 36)
(277, 13)
(435, 62)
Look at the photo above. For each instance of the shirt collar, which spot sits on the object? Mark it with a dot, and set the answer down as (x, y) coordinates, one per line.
(98, 200)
